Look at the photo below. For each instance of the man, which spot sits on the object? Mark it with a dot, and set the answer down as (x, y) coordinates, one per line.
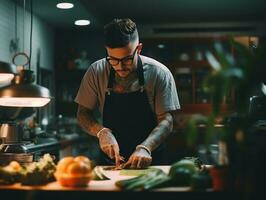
(135, 95)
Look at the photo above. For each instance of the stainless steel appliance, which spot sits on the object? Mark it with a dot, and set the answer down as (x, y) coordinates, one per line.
(12, 146)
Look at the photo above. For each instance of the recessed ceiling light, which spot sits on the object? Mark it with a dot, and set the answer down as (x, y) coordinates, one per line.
(65, 5)
(263, 88)
(161, 46)
(82, 22)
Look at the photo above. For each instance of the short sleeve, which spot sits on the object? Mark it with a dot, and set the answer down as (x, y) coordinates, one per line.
(87, 95)
(166, 97)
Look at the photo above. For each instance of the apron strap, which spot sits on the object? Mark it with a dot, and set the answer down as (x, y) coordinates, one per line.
(140, 72)
(111, 78)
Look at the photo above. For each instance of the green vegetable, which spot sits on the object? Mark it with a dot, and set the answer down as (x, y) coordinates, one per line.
(182, 171)
(8, 177)
(191, 160)
(35, 173)
(98, 174)
(136, 172)
(152, 179)
(161, 180)
(38, 173)
(201, 181)
(179, 175)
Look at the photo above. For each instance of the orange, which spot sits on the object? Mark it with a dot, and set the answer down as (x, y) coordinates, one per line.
(78, 168)
(63, 164)
(82, 159)
(74, 171)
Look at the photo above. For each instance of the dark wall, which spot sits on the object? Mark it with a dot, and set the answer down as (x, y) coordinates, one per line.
(69, 45)
(74, 41)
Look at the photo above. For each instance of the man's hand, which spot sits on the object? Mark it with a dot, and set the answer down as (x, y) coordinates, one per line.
(139, 159)
(109, 144)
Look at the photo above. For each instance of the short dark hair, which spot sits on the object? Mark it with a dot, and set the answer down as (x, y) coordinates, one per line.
(120, 32)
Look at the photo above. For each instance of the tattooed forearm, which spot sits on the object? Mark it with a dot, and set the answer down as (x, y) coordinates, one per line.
(87, 121)
(160, 132)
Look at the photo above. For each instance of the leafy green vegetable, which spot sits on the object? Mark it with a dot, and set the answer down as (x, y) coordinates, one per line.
(41, 172)
(35, 173)
(8, 177)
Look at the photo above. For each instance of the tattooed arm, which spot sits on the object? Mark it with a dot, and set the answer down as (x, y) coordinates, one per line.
(87, 121)
(107, 140)
(141, 157)
(160, 132)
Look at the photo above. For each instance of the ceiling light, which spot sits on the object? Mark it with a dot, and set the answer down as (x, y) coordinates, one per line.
(82, 22)
(65, 5)
(161, 46)
(263, 88)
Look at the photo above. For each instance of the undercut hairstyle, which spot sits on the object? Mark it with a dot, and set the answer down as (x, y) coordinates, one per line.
(120, 32)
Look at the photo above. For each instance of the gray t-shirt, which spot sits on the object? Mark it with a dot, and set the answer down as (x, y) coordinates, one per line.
(159, 85)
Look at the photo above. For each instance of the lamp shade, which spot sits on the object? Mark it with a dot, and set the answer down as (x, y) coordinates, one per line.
(7, 72)
(24, 93)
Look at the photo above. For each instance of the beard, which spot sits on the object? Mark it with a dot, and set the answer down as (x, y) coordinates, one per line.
(123, 73)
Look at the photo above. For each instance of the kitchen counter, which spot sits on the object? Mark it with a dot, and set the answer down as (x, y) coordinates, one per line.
(104, 189)
(103, 185)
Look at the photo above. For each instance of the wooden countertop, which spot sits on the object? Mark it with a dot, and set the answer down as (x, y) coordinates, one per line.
(103, 185)
(107, 190)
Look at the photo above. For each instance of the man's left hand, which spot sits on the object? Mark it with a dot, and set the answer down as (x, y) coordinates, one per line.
(139, 159)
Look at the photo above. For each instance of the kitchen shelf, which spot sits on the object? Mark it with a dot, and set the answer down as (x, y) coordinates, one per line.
(185, 58)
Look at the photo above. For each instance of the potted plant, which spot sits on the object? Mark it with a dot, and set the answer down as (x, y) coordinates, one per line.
(244, 72)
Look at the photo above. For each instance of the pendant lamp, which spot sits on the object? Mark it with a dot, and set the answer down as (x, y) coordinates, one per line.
(23, 92)
(7, 73)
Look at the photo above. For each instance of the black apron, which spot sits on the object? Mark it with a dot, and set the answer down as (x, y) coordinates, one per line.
(130, 118)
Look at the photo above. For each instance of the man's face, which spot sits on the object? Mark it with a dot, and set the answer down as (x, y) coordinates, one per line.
(124, 59)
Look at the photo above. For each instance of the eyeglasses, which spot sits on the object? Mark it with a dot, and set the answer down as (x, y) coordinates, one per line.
(128, 60)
